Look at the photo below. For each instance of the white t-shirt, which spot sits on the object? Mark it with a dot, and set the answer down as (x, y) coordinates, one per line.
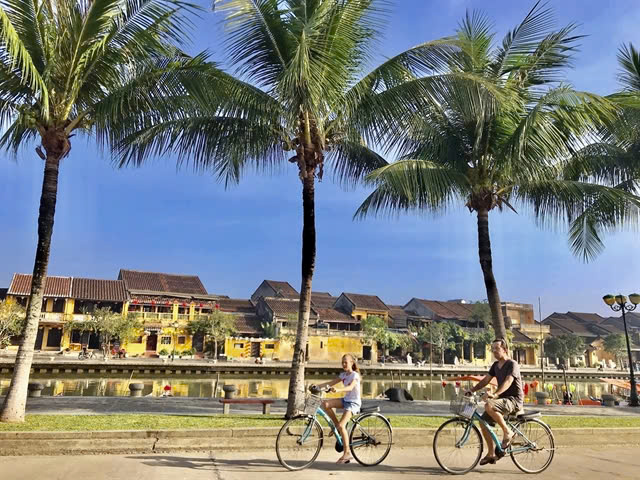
(347, 380)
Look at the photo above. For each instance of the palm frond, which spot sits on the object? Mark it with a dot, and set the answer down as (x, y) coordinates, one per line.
(351, 160)
(15, 56)
(413, 185)
(629, 60)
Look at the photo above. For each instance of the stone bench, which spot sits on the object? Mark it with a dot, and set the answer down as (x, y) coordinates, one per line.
(265, 402)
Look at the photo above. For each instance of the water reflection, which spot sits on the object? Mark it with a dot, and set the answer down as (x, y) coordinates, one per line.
(272, 387)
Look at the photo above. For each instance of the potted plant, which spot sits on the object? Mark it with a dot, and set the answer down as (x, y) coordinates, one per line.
(187, 354)
(164, 353)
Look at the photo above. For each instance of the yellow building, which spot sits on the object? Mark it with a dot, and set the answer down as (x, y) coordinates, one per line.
(362, 306)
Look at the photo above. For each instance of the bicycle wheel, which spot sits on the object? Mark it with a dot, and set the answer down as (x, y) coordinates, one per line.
(453, 453)
(538, 439)
(370, 439)
(299, 442)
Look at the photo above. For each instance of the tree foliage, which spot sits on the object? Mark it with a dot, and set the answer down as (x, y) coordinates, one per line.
(217, 326)
(12, 319)
(616, 345)
(375, 329)
(564, 347)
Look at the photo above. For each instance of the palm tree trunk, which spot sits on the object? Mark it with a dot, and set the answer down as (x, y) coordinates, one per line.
(14, 406)
(486, 263)
(296, 383)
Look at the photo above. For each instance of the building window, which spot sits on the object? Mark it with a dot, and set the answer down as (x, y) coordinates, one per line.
(270, 346)
(238, 345)
(182, 340)
(321, 345)
(165, 340)
(54, 338)
(137, 340)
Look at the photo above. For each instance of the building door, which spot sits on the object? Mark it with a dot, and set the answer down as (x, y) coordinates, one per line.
(198, 342)
(39, 339)
(366, 352)
(54, 338)
(152, 342)
(94, 341)
(255, 349)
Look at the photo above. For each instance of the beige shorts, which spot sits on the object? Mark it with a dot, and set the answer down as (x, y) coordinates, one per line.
(504, 406)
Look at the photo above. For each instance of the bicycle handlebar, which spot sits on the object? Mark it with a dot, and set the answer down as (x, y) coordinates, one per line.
(314, 389)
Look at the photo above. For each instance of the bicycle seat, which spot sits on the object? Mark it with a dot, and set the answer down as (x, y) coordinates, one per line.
(522, 414)
(373, 409)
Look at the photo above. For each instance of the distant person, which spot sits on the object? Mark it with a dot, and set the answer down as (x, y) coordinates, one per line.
(507, 399)
(350, 403)
(409, 359)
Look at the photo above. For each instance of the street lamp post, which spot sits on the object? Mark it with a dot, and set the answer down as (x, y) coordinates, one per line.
(619, 303)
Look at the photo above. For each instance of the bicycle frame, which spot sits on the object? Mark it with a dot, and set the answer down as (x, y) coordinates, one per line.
(320, 412)
(496, 441)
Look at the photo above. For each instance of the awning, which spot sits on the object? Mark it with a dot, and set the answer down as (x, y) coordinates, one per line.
(619, 383)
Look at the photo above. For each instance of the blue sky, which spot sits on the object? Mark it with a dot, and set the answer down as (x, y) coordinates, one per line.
(160, 219)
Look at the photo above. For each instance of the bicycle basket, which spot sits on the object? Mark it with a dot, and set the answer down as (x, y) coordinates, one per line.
(463, 406)
(312, 404)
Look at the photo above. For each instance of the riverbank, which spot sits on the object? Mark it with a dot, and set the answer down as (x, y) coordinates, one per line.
(57, 364)
(210, 406)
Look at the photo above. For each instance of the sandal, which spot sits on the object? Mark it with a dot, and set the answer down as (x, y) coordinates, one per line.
(488, 459)
(344, 460)
(506, 442)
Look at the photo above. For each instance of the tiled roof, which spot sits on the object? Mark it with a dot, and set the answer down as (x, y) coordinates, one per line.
(236, 305)
(99, 290)
(322, 300)
(162, 282)
(247, 324)
(332, 315)
(519, 337)
(593, 318)
(53, 286)
(567, 324)
(448, 310)
(284, 307)
(398, 315)
(633, 321)
(283, 289)
(367, 302)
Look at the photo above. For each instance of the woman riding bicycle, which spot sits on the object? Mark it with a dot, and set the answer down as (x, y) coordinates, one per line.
(350, 403)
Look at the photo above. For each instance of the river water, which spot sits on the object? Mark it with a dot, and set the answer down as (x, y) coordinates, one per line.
(269, 386)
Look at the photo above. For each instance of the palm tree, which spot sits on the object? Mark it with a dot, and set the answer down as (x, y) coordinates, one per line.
(75, 66)
(499, 130)
(299, 94)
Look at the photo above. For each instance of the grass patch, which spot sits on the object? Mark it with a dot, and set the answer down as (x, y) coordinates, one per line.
(58, 423)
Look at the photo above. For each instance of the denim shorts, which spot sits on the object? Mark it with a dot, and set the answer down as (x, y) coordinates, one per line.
(353, 407)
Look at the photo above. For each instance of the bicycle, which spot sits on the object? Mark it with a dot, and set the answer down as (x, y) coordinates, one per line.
(85, 354)
(460, 438)
(301, 438)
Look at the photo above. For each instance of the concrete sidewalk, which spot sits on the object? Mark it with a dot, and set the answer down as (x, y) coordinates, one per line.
(409, 464)
(208, 406)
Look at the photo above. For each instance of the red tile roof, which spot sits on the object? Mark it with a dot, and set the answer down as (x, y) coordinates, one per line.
(236, 305)
(448, 310)
(53, 286)
(162, 282)
(332, 315)
(322, 300)
(247, 324)
(398, 315)
(366, 302)
(283, 289)
(284, 307)
(99, 290)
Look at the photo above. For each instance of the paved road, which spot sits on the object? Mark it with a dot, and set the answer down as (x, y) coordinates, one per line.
(569, 463)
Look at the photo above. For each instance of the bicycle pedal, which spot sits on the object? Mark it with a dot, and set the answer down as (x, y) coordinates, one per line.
(500, 453)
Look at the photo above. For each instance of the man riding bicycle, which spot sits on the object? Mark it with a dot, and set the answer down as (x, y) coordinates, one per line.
(507, 399)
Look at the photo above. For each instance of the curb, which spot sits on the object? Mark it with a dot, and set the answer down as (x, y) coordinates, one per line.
(236, 439)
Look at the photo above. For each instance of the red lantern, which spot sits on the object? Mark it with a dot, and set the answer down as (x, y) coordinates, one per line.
(167, 388)
(184, 304)
(153, 302)
(135, 302)
(526, 389)
(201, 305)
(457, 384)
(167, 303)
(217, 306)
(444, 384)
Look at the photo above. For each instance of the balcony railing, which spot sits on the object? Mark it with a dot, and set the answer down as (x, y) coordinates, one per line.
(152, 316)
